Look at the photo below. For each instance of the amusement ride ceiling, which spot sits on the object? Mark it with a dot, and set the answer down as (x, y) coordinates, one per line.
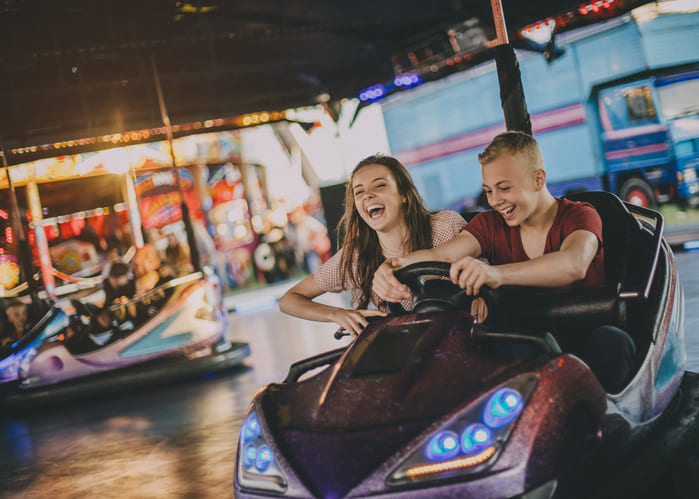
(77, 68)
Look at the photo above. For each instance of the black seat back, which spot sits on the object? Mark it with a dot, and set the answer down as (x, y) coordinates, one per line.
(619, 229)
(620, 237)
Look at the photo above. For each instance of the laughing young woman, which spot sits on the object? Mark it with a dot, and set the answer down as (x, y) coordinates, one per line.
(384, 218)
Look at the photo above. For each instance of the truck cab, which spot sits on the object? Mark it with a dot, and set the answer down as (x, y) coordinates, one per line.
(650, 137)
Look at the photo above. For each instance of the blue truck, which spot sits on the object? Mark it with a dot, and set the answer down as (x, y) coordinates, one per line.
(618, 110)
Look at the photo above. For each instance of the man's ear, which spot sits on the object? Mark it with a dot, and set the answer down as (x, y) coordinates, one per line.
(540, 178)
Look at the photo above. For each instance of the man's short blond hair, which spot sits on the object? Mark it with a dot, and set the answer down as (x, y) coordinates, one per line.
(518, 144)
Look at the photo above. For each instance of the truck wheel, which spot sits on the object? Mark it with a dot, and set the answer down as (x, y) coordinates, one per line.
(637, 191)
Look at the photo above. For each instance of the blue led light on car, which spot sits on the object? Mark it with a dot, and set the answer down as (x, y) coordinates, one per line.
(444, 445)
(249, 455)
(257, 467)
(475, 438)
(502, 408)
(251, 428)
(407, 80)
(481, 429)
(264, 459)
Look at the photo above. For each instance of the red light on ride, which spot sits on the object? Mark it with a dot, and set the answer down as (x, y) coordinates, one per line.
(583, 10)
(77, 225)
(51, 232)
(9, 236)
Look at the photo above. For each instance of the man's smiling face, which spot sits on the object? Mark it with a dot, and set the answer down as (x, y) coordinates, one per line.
(511, 186)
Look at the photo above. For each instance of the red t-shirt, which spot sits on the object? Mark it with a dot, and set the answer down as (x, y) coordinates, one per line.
(502, 244)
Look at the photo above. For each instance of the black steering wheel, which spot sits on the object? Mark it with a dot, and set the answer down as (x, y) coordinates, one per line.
(438, 295)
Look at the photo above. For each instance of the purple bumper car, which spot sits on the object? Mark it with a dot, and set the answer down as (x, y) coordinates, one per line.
(430, 404)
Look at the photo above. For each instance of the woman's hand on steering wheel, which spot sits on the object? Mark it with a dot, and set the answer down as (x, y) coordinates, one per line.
(385, 284)
(354, 321)
(479, 309)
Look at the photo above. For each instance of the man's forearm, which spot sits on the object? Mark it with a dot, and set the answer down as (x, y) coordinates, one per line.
(550, 270)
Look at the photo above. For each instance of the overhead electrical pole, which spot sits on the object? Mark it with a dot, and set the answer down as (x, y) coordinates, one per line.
(186, 218)
(514, 105)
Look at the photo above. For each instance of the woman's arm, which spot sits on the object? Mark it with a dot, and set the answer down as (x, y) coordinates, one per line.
(298, 301)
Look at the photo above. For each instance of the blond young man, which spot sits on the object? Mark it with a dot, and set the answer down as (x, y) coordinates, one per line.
(530, 239)
(522, 216)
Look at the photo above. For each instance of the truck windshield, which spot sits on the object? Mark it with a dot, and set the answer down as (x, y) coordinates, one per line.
(679, 97)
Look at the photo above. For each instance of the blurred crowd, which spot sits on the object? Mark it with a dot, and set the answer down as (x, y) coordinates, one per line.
(285, 241)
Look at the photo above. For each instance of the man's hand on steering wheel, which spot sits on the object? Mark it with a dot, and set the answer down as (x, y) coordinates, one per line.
(471, 273)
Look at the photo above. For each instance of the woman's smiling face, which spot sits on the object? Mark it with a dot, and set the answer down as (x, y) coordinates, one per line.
(376, 197)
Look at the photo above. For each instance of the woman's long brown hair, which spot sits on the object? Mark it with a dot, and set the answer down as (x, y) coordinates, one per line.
(361, 251)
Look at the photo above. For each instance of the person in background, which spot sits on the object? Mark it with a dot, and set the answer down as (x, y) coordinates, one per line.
(118, 284)
(149, 273)
(89, 234)
(309, 238)
(112, 234)
(177, 255)
(17, 319)
(384, 218)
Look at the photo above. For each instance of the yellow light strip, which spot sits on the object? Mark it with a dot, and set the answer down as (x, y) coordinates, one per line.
(451, 465)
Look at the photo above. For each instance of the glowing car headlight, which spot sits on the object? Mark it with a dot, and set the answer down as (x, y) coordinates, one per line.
(9, 368)
(26, 359)
(471, 441)
(502, 408)
(257, 467)
(16, 365)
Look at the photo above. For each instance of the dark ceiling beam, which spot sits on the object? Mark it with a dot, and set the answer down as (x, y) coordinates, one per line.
(359, 31)
(75, 68)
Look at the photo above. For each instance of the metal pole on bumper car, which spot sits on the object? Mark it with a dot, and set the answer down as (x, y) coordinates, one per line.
(132, 203)
(186, 219)
(514, 105)
(42, 244)
(23, 249)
